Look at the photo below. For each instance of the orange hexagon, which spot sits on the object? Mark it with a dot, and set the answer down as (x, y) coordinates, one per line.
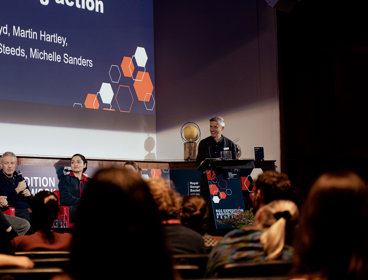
(222, 195)
(213, 189)
(140, 76)
(211, 175)
(127, 66)
(143, 87)
(156, 172)
(91, 101)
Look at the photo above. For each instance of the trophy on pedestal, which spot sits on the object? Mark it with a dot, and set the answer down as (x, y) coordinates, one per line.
(191, 134)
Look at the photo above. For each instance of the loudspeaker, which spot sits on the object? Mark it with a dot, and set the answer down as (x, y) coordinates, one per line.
(282, 5)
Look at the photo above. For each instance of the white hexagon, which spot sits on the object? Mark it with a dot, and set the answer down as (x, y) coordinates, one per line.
(141, 56)
(106, 93)
(255, 172)
(215, 199)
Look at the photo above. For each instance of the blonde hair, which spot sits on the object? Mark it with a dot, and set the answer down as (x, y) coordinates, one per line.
(168, 200)
(274, 234)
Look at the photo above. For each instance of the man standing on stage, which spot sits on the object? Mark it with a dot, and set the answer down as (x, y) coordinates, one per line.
(214, 146)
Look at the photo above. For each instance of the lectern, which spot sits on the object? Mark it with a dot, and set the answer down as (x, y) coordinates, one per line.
(222, 185)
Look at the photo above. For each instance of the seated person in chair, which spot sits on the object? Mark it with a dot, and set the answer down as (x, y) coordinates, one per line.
(182, 239)
(270, 236)
(14, 191)
(331, 240)
(136, 244)
(45, 209)
(194, 214)
(71, 186)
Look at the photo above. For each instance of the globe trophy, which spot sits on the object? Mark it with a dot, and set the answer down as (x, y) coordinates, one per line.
(191, 134)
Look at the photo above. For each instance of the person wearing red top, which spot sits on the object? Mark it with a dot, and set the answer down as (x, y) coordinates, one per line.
(71, 186)
(45, 209)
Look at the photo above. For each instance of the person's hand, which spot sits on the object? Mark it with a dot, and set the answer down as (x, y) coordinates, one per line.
(23, 262)
(21, 186)
(19, 261)
(26, 192)
(3, 201)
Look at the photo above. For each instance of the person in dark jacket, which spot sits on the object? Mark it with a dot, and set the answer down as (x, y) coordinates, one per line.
(216, 145)
(14, 191)
(71, 186)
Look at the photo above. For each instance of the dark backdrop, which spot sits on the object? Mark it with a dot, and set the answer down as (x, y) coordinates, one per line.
(323, 74)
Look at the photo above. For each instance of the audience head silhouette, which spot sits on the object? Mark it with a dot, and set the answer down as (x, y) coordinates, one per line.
(182, 239)
(118, 230)
(194, 213)
(133, 166)
(271, 186)
(45, 209)
(332, 240)
(167, 199)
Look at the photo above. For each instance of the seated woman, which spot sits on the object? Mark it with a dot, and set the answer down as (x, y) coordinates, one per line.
(45, 209)
(332, 238)
(71, 186)
(182, 239)
(270, 236)
(194, 214)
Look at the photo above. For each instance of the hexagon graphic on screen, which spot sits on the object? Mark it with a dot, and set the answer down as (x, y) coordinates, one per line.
(222, 195)
(141, 56)
(216, 199)
(156, 172)
(127, 66)
(106, 93)
(114, 74)
(149, 102)
(211, 175)
(213, 189)
(124, 99)
(143, 88)
(91, 102)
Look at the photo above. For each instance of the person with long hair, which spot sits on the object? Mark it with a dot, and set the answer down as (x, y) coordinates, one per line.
(194, 214)
(332, 238)
(182, 239)
(45, 209)
(270, 237)
(132, 243)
